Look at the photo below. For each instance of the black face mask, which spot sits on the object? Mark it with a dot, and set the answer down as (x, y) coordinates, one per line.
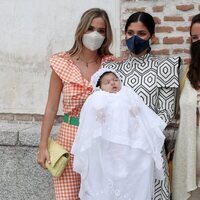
(195, 49)
(137, 45)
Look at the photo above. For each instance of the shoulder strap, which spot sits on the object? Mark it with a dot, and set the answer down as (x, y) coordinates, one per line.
(184, 79)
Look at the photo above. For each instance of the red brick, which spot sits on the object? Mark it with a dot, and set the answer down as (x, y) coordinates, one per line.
(23, 117)
(186, 60)
(183, 28)
(185, 7)
(187, 51)
(7, 116)
(173, 18)
(160, 52)
(173, 40)
(158, 8)
(155, 40)
(157, 20)
(178, 51)
(132, 10)
(38, 117)
(162, 29)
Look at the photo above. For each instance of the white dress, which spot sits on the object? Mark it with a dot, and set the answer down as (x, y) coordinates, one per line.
(117, 149)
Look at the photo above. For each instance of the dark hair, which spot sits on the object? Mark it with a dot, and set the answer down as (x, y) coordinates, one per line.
(143, 17)
(195, 19)
(194, 71)
(99, 81)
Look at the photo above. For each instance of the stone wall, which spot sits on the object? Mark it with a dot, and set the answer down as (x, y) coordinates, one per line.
(21, 177)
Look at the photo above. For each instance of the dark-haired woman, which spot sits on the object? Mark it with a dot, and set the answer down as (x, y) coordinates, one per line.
(154, 79)
(186, 162)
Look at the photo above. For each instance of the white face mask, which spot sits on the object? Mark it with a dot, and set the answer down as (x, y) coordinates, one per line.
(93, 40)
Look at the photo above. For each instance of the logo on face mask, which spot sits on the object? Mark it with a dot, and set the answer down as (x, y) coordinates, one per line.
(137, 45)
(93, 40)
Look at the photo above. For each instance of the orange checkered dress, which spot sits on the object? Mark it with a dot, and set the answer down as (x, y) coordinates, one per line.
(75, 91)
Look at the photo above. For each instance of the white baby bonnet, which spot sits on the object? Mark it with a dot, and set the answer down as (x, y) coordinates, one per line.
(96, 76)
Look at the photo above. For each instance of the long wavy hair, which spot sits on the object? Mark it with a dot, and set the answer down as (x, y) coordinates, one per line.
(194, 66)
(83, 26)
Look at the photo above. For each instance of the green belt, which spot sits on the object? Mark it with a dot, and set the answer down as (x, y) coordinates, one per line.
(71, 120)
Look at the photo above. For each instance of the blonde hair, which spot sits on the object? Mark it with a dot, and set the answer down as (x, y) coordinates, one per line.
(83, 26)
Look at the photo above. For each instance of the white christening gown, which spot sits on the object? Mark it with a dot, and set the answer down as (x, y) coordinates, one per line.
(117, 149)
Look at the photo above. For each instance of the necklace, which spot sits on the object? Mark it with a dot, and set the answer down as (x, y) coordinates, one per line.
(89, 62)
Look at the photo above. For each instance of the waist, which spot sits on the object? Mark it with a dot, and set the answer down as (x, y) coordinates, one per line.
(71, 120)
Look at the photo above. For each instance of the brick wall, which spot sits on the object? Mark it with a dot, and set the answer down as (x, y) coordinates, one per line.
(172, 19)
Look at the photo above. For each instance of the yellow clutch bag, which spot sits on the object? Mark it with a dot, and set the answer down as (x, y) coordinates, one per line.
(59, 158)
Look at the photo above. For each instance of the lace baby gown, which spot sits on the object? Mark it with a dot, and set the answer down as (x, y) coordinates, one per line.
(117, 147)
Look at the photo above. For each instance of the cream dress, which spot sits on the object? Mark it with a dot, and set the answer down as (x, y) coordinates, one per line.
(186, 161)
(196, 193)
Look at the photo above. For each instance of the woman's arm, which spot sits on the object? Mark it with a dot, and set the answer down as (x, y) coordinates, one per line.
(55, 89)
(166, 103)
(168, 84)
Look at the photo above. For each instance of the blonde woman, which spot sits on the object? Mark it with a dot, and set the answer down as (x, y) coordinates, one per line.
(71, 73)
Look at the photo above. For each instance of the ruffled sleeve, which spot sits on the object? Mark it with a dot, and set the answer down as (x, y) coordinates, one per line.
(63, 66)
(168, 84)
(168, 72)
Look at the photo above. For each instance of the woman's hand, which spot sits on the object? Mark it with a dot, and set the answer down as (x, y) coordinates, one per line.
(42, 157)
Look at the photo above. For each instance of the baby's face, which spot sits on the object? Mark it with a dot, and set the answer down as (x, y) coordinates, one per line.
(110, 83)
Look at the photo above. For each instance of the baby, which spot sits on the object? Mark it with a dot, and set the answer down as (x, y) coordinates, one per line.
(118, 143)
(110, 82)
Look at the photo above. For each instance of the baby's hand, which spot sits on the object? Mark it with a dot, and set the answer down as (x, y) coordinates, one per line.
(134, 111)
